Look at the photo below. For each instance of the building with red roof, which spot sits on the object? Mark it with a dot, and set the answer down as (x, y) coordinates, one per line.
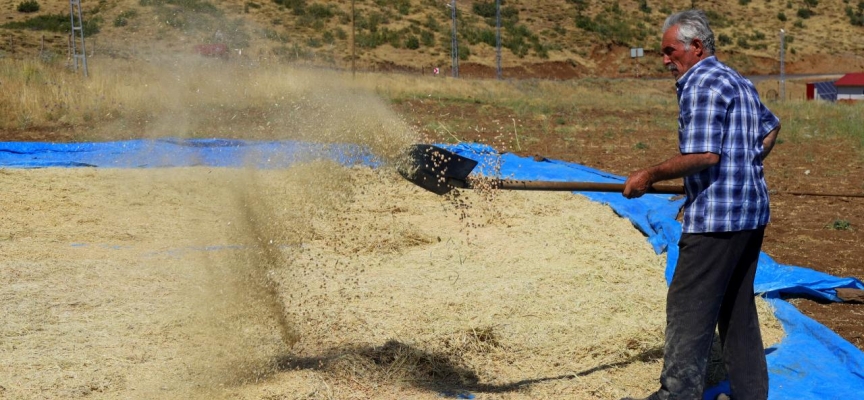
(850, 86)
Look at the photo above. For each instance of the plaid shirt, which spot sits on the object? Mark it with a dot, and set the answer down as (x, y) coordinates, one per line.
(720, 112)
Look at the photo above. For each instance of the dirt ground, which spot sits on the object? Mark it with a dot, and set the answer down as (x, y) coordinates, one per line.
(800, 232)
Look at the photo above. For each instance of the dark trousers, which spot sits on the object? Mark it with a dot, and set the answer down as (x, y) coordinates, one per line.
(713, 286)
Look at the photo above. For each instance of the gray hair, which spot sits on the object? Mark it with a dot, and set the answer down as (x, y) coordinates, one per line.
(692, 24)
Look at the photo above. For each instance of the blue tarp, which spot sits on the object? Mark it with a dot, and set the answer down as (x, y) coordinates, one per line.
(811, 362)
(175, 153)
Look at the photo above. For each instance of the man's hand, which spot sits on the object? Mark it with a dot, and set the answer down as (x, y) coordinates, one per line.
(637, 184)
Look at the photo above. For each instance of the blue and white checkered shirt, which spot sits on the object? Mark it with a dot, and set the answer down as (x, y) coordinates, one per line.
(720, 112)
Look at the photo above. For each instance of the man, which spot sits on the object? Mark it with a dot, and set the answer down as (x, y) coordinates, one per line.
(724, 133)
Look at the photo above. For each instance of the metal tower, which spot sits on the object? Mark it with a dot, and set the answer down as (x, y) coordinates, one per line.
(498, 37)
(77, 34)
(454, 47)
(782, 65)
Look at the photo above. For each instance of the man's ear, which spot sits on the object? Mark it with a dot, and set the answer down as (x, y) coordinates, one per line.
(698, 47)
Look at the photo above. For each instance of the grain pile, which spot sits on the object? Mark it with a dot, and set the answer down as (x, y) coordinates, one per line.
(317, 282)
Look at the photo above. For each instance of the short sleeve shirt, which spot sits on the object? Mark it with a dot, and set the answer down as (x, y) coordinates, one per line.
(721, 113)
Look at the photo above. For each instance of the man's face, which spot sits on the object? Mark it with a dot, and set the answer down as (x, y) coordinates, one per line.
(675, 58)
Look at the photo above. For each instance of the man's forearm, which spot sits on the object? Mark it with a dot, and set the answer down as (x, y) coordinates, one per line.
(682, 165)
(768, 142)
(639, 182)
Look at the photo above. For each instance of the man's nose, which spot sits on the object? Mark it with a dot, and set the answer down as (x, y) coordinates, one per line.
(666, 59)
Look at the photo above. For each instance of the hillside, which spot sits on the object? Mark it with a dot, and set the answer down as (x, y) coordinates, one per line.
(541, 38)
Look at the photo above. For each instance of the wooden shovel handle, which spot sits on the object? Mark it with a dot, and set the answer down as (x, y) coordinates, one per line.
(581, 186)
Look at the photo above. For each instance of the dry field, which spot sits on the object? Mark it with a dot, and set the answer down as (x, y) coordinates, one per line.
(318, 282)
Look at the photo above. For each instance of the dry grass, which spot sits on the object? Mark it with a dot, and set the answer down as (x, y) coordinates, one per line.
(192, 97)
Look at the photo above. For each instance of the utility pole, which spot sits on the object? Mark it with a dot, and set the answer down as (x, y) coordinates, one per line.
(77, 25)
(454, 46)
(498, 37)
(782, 65)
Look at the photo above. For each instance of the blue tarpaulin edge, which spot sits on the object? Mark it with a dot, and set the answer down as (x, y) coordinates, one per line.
(156, 153)
(812, 362)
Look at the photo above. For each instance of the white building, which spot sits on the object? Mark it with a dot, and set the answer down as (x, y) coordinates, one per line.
(850, 87)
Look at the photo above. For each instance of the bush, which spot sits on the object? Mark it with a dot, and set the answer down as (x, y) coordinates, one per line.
(804, 13)
(856, 18)
(427, 38)
(291, 3)
(320, 11)
(54, 23)
(643, 6)
(402, 6)
(124, 17)
(781, 16)
(485, 10)
(412, 43)
(28, 6)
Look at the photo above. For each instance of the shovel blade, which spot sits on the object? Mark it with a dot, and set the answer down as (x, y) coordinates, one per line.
(435, 169)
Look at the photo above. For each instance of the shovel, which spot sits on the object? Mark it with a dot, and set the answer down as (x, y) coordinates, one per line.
(439, 171)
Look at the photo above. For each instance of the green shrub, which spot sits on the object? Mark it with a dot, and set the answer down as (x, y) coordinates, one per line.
(328, 37)
(28, 6)
(484, 9)
(124, 17)
(412, 43)
(716, 19)
(290, 3)
(612, 26)
(427, 38)
(839, 225)
(781, 16)
(402, 6)
(340, 33)
(643, 6)
(320, 11)
(804, 13)
(54, 23)
(856, 18)
(464, 52)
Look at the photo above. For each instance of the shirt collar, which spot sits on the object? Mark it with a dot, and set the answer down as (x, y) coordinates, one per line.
(705, 62)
